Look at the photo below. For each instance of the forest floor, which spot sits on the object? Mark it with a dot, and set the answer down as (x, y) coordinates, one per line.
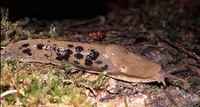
(167, 33)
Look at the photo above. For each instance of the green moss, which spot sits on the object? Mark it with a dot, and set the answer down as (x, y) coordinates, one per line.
(33, 90)
(54, 32)
(176, 82)
(67, 68)
(13, 31)
(198, 94)
(99, 82)
(198, 98)
(155, 89)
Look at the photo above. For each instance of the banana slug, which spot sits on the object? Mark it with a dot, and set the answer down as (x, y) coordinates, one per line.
(117, 61)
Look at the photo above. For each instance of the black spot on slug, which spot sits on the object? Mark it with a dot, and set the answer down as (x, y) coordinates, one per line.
(79, 49)
(68, 52)
(25, 45)
(30, 54)
(78, 56)
(27, 51)
(98, 62)
(93, 55)
(56, 49)
(54, 44)
(105, 67)
(71, 46)
(88, 62)
(39, 46)
(76, 62)
(48, 47)
(59, 57)
(66, 56)
(49, 41)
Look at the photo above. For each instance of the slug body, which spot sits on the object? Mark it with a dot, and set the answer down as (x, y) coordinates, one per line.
(117, 61)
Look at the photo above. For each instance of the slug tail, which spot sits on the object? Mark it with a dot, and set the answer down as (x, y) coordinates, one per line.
(171, 76)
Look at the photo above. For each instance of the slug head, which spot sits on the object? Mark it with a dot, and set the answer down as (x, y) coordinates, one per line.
(135, 68)
(131, 64)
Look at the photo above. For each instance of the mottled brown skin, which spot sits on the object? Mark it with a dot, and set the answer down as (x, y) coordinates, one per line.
(118, 62)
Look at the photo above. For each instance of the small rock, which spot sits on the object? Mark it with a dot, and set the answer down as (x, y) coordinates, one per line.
(112, 86)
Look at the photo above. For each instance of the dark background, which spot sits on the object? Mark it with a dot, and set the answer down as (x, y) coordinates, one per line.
(61, 9)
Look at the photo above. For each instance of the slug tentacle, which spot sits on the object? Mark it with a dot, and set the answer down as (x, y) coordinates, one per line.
(163, 81)
(165, 74)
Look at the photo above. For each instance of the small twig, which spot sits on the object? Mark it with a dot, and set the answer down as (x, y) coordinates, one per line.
(196, 69)
(193, 65)
(85, 85)
(181, 49)
(8, 92)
